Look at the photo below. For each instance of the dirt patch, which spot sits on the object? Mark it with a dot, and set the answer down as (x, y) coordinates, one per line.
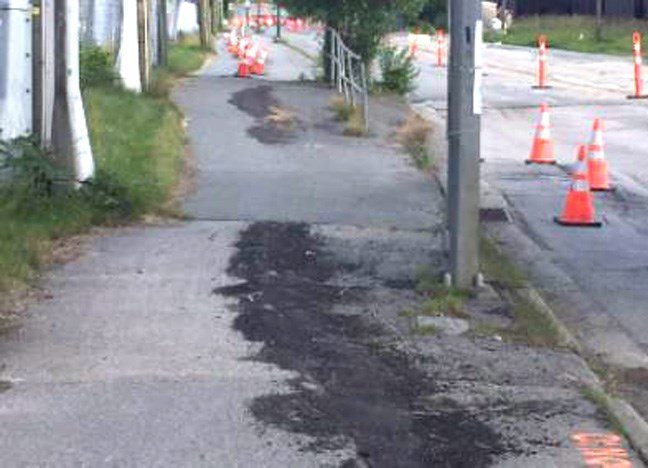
(353, 385)
(274, 124)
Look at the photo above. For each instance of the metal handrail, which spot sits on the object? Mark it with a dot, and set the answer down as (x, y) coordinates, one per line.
(348, 74)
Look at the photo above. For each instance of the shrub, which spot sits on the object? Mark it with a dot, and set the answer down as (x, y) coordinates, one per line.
(397, 69)
(96, 66)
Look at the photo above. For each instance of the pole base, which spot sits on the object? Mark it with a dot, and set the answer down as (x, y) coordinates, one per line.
(635, 97)
(541, 87)
(593, 224)
(609, 190)
(544, 163)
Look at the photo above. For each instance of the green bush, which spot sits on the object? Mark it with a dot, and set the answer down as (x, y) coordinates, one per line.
(397, 69)
(96, 66)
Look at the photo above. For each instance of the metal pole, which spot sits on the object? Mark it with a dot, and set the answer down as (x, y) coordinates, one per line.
(37, 73)
(278, 36)
(163, 33)
(464, 120)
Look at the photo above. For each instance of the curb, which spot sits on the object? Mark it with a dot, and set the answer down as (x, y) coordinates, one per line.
(632, 424)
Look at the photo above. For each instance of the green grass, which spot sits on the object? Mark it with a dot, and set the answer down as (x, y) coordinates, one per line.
(437, 300)
(529, 325)
(138, 144)
(497, 268)
(576, 33)
(186, 56)
(599, 399)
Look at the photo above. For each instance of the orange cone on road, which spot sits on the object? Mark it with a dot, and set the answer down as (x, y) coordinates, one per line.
(542, 151)
(597, 166)
(579, 206)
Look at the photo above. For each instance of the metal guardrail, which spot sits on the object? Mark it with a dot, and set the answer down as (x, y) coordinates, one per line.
(348, 74)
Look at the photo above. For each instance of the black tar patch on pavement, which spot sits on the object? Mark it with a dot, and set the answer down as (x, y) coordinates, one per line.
(352, 385)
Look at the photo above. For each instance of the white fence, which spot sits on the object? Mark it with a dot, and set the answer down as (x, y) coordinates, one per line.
(348, 74)
(15, 68)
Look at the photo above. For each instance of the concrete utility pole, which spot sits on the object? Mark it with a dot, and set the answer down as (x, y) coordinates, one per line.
(70, 139)
(464, 120)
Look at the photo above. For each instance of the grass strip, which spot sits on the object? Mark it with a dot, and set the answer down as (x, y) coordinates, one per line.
(577, 33)
(138, 143)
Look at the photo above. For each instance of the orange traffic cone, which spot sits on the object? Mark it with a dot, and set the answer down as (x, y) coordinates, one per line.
(259, 65)
(579, 207)
(597, 167)
(243, 69)
(413, 50)
(542, 151)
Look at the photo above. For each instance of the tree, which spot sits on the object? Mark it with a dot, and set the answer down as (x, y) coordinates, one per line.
(361, 23)
(434, 13)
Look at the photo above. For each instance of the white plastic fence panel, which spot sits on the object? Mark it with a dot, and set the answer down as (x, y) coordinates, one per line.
(188, 18)
(15, 68)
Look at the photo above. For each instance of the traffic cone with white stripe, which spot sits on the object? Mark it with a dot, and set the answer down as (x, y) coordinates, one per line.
(259, 64)
(579, 206)
(542, 151)
(597, 166)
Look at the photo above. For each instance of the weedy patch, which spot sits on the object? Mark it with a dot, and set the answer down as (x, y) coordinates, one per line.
(355, 124)
(340, 108)
(414, 135)
(529, 325)
(280, 116)
(599, 399)
(439, 300)
(428, 330)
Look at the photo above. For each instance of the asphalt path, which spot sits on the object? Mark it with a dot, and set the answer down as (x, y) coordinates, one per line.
(266, 330)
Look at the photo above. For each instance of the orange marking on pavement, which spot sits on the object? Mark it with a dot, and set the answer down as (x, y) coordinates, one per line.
(602, 450)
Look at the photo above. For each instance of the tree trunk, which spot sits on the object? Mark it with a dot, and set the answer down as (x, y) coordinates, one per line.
(143, 21)
(61, 131)
(204, 23)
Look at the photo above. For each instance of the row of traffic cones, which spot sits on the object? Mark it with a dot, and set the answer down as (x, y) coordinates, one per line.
(590, 173)
(252, 55)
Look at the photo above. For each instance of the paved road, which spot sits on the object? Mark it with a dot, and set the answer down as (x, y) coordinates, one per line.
(595, 277)
(268, 330)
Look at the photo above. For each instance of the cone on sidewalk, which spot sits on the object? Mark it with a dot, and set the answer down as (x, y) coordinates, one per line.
(597, 166)
(542, 151)
(258, 68)
(579, 206)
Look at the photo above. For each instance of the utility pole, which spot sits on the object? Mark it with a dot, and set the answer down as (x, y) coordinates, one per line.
(163, 33)
(37, 74)
(599, 20)
(278, 36)
(464, 121)
(144, 41)
(61, 131)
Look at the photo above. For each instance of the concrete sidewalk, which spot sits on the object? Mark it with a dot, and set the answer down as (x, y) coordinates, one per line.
(268, 330)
